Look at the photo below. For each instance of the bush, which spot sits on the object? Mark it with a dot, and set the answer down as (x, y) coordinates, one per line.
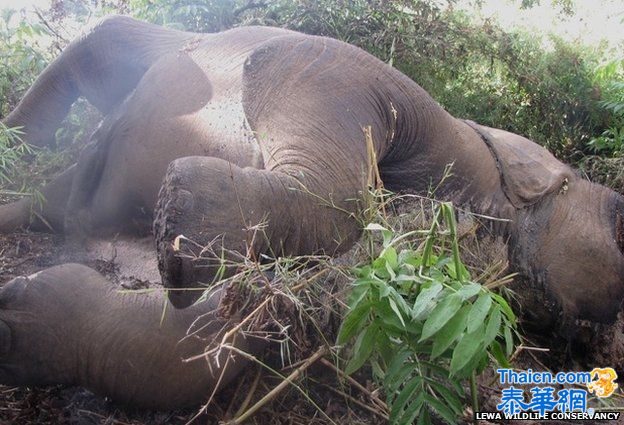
(21, 59)
(423, 324)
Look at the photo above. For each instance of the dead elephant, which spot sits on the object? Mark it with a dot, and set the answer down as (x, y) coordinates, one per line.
(260, 125)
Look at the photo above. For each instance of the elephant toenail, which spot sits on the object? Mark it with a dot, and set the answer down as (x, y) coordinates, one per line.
(5, 339)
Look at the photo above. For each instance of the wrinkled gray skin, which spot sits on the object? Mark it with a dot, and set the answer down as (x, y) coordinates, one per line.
(261, 125)
(69, 325)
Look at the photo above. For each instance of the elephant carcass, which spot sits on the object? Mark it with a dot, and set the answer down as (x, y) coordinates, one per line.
(262, 128)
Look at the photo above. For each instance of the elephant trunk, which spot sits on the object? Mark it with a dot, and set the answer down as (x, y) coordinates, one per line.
(67, 324)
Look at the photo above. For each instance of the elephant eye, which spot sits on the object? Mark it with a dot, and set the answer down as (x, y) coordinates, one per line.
(619, 231)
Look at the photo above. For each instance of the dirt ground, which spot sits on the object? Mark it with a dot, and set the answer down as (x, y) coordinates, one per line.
(24, 253)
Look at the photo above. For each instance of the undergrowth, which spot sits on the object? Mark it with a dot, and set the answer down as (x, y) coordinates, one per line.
(421, 322)
(401, 308)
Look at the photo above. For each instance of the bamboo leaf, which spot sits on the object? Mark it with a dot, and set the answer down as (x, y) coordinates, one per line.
(353, 322)
(450, 332)
(478, 312)
(465, 350)
(362, 348)
(493, 326)
(423, 300)
(404, 396)
(440, 315)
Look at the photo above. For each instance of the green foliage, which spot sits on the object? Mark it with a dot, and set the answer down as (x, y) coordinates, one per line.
(557, 96)
(610, 142)
(610, 76)
(423, 325)
(11, 150)
(21, 59)
(191, 15)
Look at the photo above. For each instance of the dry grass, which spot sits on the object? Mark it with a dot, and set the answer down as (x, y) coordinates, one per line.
(297, 304)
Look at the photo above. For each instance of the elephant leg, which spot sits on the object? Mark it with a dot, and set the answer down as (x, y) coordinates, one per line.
(67, 324)
(47, 214)
(79, 218)
(104, 65)
(207, 201)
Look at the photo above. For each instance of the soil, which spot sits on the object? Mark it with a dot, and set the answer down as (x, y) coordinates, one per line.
(24, 253)
(131, 264)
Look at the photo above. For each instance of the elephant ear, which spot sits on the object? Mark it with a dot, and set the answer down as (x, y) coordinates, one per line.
(528, 171)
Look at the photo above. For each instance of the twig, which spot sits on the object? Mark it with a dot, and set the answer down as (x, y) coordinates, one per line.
(356, 384)
(48, 26)
(522, 348)
(251, 5)
(289, 380)
(204, 408)
(250, 394)
(358, 402)
(231, 332)
(307, 281)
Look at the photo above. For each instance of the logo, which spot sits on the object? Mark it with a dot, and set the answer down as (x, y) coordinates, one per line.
(604, 385)
(530, 395)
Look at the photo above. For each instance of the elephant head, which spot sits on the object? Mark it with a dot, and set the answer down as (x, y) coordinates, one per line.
(566, 234)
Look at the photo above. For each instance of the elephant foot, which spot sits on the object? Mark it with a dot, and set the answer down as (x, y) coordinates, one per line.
(35, 346)
(69, 325)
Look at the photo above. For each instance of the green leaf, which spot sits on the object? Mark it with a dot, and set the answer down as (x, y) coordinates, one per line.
(509, 342)
(451, 397)
(441, 409)
(469, 290)
(493, 326)
(394, 308)
(440, 315)
(387, 234)
(412, 410)
(424, 299)
(424, 418)
(505, 307)
(378, 371)
(359, 292)
(384, 346)
(389, 320)
(354, 321)
(398, 361)
(473, 365)
(404, 397)
(362, 348)
(478, 312)
(499, 355)
(439, 370)
(450, 332)
(399, 378)
(391, 256)
(466, 348)
(400, 301)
